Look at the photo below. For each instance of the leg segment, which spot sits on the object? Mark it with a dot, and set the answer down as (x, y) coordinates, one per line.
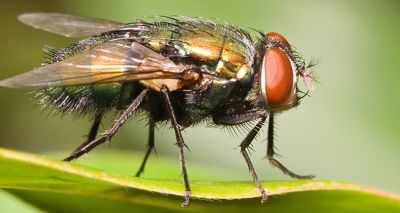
(233, 119)
(180, 143)
(93, 131)
(111, 131)
(270, 153)
(237, 113)
(243, 148)
(150, 146)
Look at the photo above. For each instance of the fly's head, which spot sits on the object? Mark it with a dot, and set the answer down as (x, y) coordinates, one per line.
(279, 70)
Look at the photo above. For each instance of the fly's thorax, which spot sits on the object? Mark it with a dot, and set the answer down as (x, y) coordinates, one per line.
(227, 56)
(222, 61)
(224, 49)
(228, 71)
(221, 55)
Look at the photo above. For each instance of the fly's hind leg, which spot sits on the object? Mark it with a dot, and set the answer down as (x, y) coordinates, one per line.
(150, 147)
(112, 130)
(180, 143)
(93, 131)
(271, 153)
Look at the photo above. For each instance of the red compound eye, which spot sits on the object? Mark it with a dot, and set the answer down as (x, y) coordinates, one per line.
(279, 37)
(278, 78)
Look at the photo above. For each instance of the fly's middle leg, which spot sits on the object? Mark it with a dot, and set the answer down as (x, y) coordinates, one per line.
(93, 131)
(180, 143)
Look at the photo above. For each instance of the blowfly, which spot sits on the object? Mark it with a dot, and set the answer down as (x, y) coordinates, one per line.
(177, 69)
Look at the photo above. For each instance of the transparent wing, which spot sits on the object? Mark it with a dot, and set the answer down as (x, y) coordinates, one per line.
(115, 61)
(68, 25)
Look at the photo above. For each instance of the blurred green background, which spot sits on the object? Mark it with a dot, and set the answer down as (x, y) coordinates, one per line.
(348, 130)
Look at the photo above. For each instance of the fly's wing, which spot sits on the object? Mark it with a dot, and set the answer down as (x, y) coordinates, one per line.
(116, 61)
(68, 25)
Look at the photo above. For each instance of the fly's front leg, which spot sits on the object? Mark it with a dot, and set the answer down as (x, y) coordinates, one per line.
(237, 113)
(243, 148)
(180, 143)
(271, 153)
(239, 118)
(111, 131)
(150, 146)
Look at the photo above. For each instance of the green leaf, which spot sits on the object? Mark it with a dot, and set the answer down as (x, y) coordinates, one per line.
(58, 186)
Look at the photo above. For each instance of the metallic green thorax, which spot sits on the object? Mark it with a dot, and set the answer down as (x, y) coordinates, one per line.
(222, 51)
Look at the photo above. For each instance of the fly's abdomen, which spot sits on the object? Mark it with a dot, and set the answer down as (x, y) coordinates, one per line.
(81, 99)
